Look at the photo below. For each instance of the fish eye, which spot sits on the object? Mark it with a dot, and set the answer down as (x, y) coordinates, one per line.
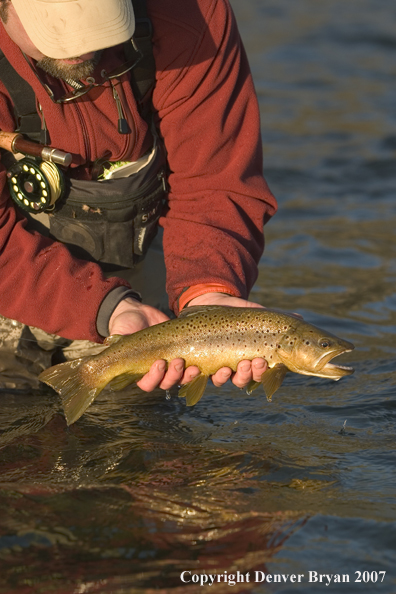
(324, 343)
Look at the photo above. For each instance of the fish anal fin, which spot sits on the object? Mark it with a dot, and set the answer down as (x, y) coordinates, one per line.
(75, 393)
(193, 391)
(124, 379)
(272, 379)
(113, 339)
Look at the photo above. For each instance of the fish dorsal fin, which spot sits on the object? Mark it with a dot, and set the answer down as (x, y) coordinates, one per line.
(112, 339)
(193, 391)
(124, 379)
(196, 309)
(272, 379)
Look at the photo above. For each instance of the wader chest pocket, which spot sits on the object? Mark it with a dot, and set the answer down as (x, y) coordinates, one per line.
(112, 222)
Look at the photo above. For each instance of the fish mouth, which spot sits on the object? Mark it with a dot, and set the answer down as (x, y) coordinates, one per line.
(328, 369)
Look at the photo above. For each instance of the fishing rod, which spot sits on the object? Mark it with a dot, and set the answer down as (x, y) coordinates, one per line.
(35, 181)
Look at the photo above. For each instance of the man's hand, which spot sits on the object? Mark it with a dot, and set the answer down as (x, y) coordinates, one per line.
(130, 316)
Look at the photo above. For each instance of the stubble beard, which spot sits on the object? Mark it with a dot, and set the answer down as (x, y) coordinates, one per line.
(58, 69)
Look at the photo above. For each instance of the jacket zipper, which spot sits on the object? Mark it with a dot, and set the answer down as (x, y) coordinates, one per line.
(84, 130)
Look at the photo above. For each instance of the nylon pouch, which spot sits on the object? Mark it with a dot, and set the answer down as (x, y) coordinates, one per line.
(112, 222)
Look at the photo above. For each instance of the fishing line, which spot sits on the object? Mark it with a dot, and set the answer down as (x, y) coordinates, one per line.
(53, 175)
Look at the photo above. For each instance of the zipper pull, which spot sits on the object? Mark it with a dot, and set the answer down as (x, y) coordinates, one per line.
(123, 127)
(44, 134)
(162, 178)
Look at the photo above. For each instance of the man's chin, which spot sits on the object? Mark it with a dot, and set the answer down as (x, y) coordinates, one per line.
(72, 68)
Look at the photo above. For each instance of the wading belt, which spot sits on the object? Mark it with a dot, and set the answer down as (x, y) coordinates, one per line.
(113, 221)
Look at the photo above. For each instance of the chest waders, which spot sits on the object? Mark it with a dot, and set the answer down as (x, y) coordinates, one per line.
(112, 221)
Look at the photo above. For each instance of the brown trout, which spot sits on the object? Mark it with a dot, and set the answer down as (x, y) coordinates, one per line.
(209, 337)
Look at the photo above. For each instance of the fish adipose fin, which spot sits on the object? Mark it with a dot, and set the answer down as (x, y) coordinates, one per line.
(193, 391)
(272, 379)
(125, 379)
(75, 394)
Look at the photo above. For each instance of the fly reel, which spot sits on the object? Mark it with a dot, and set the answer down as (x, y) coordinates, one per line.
(35, 185)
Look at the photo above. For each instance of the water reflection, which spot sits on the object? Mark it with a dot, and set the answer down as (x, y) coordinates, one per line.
(140, 537)
(115, 509)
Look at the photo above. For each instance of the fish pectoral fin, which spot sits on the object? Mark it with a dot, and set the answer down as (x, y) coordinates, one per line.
(193, 391)
(272, 379)
(74, 392)
(124, 379)
(112, 339)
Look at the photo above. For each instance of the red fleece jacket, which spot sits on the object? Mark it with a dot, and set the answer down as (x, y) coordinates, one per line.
(208, 116)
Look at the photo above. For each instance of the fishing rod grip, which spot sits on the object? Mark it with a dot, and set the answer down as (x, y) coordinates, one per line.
(16, 143)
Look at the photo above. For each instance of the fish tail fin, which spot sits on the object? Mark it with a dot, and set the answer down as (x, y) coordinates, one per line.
(75, 393)
(272, 379)
(193, 391)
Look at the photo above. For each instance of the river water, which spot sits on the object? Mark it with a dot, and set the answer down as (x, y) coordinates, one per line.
(140, 490)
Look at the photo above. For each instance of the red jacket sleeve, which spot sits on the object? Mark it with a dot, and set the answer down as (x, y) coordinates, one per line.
(41, 284)
(209, 118)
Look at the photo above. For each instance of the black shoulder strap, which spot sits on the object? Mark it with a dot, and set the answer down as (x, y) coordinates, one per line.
(142, 77)
(24, 100)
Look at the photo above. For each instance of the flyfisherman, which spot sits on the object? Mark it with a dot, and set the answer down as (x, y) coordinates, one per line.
(156, 106)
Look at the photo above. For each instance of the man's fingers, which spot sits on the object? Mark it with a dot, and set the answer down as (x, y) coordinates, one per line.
(160, 376)
(243, 374)
(221, 376)
(173, 375)
(246, 371)
(153, 378)
(189, 374)
(258, 368)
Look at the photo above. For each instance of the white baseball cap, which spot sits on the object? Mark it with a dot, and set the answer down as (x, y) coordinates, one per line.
(70, 28)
